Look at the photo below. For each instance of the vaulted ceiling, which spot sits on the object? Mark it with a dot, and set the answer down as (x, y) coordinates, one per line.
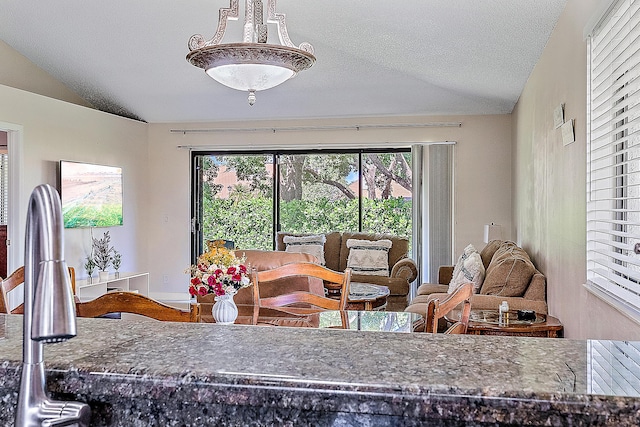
(374, 57)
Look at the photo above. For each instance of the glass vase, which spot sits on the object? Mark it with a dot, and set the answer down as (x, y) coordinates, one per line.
(225, 311)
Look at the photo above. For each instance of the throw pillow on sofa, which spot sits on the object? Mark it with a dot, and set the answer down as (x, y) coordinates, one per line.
(489, 250)
(468, 269)
(509, 272)
(370, 257)
(313, 245)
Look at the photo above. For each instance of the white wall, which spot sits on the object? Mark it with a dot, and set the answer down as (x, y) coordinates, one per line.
(482, 174)
(550, 181)
(18, 72)
(54, 130)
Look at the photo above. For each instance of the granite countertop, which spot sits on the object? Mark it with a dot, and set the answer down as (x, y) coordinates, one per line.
(139, 373)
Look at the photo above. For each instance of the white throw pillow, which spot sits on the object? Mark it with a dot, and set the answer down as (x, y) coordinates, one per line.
(468, 269)
(370, 257)
(465, 254)
(313, 245)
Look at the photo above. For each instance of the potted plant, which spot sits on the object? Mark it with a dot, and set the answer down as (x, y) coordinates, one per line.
(116, 260)
(102, 255)
(90, 265)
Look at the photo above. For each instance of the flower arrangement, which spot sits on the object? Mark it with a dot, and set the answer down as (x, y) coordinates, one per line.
(218, 272)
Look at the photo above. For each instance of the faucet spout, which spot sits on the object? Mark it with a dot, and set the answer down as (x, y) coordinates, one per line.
(49, 313)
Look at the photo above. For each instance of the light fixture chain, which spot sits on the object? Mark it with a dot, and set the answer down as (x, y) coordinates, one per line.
(249, 27)
(261, 28)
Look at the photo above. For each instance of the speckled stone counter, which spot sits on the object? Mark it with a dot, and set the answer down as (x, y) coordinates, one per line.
(174, 374)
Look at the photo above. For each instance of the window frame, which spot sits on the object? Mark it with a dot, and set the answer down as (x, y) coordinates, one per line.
(612, 248)
(196, 189)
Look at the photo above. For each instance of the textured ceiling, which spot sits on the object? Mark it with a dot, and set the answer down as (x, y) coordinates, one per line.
(374, 57)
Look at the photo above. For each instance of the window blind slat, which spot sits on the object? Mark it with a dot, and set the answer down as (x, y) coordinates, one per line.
(611, 103)
(614, 234)
(626, 134)
(616, 272)
(614, 290)
(612, 244)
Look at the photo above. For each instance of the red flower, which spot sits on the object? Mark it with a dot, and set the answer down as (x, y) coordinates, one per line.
(218, 272)
(202, 291)
(196, 281)
(192, 291)
(237, 277)
(217, 288)
(231, 270)
(242, 268)
(212, 280)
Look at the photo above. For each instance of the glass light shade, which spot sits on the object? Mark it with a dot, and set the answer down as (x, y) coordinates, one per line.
(249, 67)
(250, 77)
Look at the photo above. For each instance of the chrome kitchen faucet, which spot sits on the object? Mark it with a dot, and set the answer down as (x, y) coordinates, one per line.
(49, 313)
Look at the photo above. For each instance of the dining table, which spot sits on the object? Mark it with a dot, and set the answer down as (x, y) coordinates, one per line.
(358, 320)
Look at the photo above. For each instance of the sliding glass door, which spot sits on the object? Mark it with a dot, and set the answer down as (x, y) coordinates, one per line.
(233, 200)
(386, 199)
(236, 198)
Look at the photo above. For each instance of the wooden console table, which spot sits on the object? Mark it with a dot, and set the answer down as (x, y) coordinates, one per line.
(485, 322)
(88, 289)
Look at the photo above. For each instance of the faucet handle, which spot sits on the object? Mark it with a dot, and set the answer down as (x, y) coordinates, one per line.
(72, 414)
(70, 422)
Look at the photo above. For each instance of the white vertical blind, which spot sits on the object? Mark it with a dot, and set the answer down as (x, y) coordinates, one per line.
(613, 159)
(432, 209)
(4, 188)
(417, 209)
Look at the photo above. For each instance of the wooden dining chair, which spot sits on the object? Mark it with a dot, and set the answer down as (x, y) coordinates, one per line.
(16, 279)
(437, 309)
(302, 269)
(135, 303)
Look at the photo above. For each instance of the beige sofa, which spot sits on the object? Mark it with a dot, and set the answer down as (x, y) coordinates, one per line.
(402, 269)
(509, 276)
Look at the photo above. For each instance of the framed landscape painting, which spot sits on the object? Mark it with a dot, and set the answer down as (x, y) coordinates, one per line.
(91, 195)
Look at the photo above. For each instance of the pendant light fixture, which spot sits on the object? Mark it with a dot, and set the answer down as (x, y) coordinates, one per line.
(253, 64)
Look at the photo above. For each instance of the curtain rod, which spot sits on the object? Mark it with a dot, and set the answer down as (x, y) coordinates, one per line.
(325, 145)
(312, 128)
